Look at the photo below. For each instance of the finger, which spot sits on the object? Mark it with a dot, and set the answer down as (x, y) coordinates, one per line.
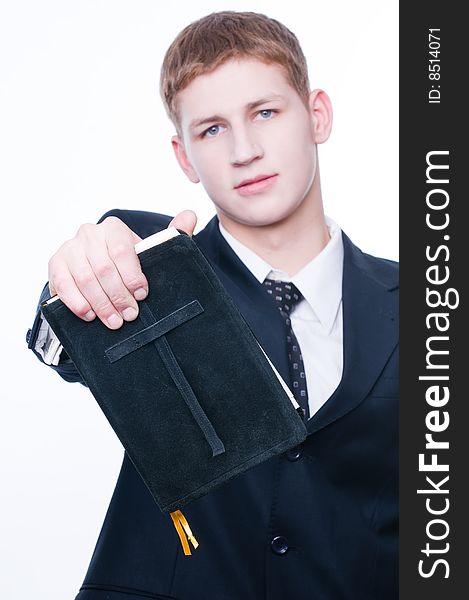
(185, 220)
(63, 284)
(89, 286)
(121, 250)
(111, 300)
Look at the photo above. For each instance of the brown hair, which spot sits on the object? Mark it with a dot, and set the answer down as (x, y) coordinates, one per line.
(207, 43)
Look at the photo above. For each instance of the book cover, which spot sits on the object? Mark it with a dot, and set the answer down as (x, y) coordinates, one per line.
(186, 387)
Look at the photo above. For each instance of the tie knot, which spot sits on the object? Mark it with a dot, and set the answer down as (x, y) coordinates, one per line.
(285, 294)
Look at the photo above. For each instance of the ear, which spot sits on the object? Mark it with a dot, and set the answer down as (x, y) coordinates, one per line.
(183, 160)
(320, 108)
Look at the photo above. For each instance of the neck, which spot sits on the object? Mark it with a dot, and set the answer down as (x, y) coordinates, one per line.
(288, 245)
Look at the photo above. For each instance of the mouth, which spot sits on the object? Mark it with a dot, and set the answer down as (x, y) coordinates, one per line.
(256, 184)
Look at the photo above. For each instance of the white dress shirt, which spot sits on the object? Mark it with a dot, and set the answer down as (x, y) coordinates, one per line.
(317, 319)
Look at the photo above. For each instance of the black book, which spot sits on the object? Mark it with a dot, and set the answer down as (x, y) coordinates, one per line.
(186, 387)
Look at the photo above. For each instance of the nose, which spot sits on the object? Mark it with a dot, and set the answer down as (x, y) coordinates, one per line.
(245, 147)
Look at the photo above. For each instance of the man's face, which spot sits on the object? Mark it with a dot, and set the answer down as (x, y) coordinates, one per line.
(249, 138)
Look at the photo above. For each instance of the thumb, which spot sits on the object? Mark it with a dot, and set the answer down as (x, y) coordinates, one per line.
(185, 220)
(135, 238)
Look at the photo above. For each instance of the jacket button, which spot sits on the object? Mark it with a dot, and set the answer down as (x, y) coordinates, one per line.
(279, 545)
(294, 454)
(28, 336)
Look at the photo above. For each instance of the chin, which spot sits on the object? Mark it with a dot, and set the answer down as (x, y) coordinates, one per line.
(265, 220)
(261, 214)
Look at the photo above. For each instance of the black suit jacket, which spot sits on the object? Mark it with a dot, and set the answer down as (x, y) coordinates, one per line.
(321, 521)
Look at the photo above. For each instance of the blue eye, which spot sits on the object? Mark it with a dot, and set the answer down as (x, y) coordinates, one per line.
(212, 131)
(266, 113)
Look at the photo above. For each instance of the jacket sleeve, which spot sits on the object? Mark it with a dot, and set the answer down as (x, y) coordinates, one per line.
(143, 224)
(65, 368)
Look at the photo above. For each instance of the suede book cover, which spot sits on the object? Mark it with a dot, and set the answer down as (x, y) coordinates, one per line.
(186, 387)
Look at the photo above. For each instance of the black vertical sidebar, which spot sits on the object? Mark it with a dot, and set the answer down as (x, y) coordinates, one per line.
(434, 415)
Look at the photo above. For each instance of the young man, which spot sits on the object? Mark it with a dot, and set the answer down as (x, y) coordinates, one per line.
(321, 520)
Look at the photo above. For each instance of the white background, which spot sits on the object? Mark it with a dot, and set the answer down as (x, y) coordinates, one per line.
(82, 130)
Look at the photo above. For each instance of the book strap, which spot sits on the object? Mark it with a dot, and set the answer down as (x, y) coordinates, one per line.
(154, 331)
(183, 529)
(177, 375)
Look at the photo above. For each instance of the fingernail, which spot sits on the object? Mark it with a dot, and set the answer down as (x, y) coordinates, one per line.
(129, 313)
(89, 315)
(114, 321)
(140, 294)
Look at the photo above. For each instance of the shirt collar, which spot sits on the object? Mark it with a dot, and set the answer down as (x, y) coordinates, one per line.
(320, 280)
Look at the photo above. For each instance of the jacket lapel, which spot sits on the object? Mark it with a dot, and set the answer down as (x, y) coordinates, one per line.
(369, 311)
(370, 307)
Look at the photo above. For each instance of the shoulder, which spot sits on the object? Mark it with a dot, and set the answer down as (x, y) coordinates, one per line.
(143, 223)
(381, 266)
(383, 270)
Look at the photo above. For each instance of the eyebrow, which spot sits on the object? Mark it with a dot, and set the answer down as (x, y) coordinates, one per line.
(250, 106)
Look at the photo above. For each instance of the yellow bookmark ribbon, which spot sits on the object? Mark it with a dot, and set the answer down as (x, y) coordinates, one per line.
(183, 529)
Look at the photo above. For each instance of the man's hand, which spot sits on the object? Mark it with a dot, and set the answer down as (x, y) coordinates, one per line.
(97, 273)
